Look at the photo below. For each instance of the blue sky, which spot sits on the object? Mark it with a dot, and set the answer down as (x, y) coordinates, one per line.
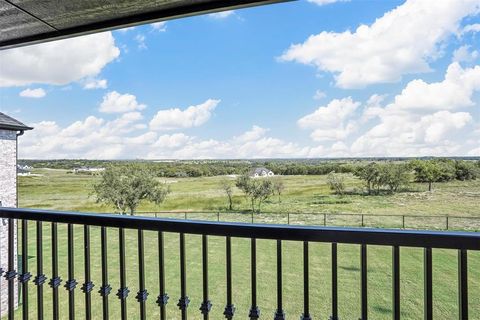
(319, 78)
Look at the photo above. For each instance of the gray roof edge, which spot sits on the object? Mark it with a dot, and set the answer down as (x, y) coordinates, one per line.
(9, 123)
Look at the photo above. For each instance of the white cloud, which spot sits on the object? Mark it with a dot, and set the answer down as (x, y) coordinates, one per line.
(401, 42)
(114, 102)
(319, 95)
(160, 26)
(330, 122)
(95, 84)
(433, 134)
(269, 147)
(464, 54)
(253, 134)
(170, 141)
(58, 62)
(425, 118)
(373, 107)
(436, 126)
(471, 28)
(454, 92)
(123, 138)
(474, 152)
(331, 115)
(324, 2)
(33, 93)
(93, 138)
(222, 14)
(144, 139)
(175, 118)
(124, 30)
(140, 38)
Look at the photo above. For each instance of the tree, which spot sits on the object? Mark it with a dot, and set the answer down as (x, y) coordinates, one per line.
(256, 190)
(394, 176)
(371, 175)
(227, 187)
(427, 171)
(126, 186)
(466, 170)
(336, 182)
(263, 191)
(447, 169)
(246, 184)
(278, 187)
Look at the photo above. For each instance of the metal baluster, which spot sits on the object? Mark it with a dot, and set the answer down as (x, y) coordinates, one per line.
(229, 308)
(334, 315)
(254, 310)
(105, 289)
(206, 305)
(40, 278)
(364, 298)
(184, 301)
(88, 285)
(396, 282)
(71, 283)
(279, 314)
(142, 294)
(55, 281)
(25, 276)
(428, 306)
(162, 299)
(11, 273)
(306, 293)
(123, 291)
(463, 284)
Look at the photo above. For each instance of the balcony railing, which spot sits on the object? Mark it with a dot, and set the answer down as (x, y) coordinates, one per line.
(428, 240)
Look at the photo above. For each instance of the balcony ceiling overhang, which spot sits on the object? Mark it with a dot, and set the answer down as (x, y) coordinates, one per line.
(25, 22)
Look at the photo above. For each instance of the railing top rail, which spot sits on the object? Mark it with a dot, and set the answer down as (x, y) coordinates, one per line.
(389, 237)
(379, 215)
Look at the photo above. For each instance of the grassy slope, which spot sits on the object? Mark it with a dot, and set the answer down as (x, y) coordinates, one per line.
(57, 190)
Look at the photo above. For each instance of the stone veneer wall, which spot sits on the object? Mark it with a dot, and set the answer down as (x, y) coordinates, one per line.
(8, 198)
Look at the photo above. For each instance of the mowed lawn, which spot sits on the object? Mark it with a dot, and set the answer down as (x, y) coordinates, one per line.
(58, 190)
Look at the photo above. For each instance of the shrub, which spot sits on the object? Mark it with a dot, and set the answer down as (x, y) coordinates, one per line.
(336, 183)
(394, 176)
(465, 170)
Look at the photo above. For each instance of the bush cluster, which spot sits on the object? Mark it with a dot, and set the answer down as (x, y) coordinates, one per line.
(384, 176)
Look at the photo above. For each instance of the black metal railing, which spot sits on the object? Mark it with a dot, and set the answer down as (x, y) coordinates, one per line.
(428, 240)
(417, 221)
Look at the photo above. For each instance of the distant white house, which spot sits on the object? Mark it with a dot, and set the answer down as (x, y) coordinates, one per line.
(24, 167)
(261, 172)
(88, 170)
(23, 170)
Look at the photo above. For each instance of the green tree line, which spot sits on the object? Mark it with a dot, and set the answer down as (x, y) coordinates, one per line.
(392, 177)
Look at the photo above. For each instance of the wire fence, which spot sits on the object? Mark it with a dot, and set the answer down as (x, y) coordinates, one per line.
(433, 222)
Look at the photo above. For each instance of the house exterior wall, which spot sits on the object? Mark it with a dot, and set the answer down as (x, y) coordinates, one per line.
(8, 198)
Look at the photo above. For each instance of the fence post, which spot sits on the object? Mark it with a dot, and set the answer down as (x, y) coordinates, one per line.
(447, 222)
(363, 225)
(288, 218)
(185, 215)
(156, 215)
(218, 216)
(252, 216)
(324, 219)
(403, 221)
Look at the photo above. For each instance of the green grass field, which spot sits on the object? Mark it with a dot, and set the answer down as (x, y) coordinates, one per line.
(58, 190)
(55, 189)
